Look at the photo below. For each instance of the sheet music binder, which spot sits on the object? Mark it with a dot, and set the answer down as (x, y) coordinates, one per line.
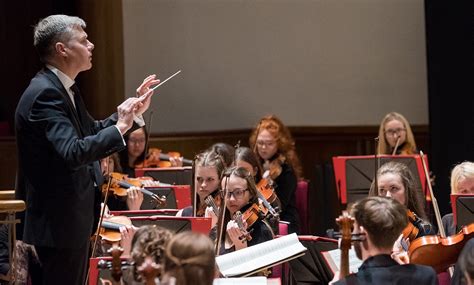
(354, 174)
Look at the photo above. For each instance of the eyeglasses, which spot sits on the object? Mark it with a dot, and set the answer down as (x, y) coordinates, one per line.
(266, 143)
(394, 131)
(138, 141)
(237, 193)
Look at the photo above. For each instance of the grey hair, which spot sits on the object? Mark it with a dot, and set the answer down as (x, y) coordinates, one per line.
(53, 29)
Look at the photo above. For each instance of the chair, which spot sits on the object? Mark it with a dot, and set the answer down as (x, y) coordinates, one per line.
(277, 270)
(302, 205)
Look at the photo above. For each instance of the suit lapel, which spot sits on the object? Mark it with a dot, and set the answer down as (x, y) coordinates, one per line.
(72, 110)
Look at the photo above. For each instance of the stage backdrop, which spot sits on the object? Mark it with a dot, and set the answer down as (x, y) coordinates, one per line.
(311, 62)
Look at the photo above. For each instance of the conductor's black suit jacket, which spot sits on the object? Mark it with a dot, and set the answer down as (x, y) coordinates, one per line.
(58, 153)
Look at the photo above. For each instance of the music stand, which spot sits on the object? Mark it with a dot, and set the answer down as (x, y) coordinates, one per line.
(463, 209)
(170, 175)
(177, 197)
(354, 174)
(172, 223)
(312, 268)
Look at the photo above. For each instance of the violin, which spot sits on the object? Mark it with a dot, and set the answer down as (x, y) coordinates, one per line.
(438, 252)
(239, 220)
(267, 194)
(213, 200)
(274, 166)
(411, 231)
(156, 158)
(110, 229)
(346, 222)
(120, 183)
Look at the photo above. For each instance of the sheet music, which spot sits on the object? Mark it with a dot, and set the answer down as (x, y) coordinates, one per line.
(259, 256)
(333, 258)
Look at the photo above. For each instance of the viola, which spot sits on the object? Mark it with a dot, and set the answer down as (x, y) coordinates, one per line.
(438, 252)
(120, 183)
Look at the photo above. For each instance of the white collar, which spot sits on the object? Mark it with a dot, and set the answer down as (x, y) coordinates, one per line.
(65, 80)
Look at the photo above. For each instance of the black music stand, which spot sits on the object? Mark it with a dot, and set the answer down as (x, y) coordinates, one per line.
(170, 175)
(464, 211)
(312, 268)
(358, 173)
(150, 204)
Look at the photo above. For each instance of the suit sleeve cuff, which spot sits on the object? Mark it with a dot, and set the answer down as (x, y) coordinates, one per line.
(118, 130)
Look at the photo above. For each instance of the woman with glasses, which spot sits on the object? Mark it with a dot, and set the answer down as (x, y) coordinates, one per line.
(395, 135)
(241, 195)
(273, 144)
(135, 152)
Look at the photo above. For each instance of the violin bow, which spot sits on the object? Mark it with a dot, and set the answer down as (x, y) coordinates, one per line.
(442, 232)
(101, 218)
(394, 152)
(193, 186)
(220, 221)
(376, 161)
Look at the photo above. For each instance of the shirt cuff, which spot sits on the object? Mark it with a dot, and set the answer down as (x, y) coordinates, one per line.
(118, 130)
(139, 120)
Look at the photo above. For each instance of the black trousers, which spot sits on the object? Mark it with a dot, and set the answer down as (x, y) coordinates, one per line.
(61, 266)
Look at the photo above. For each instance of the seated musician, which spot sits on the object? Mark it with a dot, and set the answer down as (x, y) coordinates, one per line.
(134, 198)
(246, 158)
(462, 182)
(393, 127)
(135, 153)
(226, 151)
(381, 220)
(273, 144)
(208, 168)
(241, 196)
(189, 259)
(395, 180)
(149, 241)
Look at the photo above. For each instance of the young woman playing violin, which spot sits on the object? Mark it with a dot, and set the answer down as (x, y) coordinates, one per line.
(462, 182)
(134, 198)
(395, 180)
(395, 135)
(246, 158)
(275, 147)
(136, 154)
(241, 196)
(208, 168)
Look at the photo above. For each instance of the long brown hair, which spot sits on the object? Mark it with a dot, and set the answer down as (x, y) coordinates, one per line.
(285, 142)
(413, 197)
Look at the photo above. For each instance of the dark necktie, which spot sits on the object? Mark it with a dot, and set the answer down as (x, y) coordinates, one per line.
(78, 103)
(81, 113)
